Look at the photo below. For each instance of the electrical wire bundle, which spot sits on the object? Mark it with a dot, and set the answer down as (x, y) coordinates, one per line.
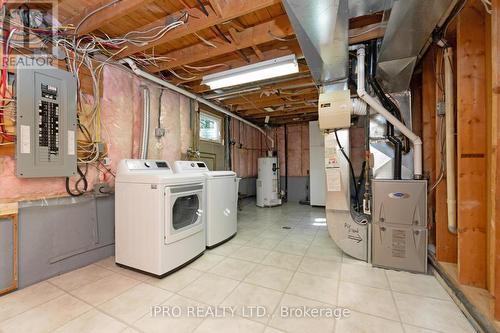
(86, 53)
(6, 99)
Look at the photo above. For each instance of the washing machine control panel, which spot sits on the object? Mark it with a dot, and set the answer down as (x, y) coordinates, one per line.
(190, 166)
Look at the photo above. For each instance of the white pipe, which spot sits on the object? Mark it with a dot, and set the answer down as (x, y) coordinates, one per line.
(375, 105)
(195, 97)
(450, 141)
(146, 100)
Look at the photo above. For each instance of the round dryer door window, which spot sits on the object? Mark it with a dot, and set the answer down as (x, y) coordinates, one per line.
(185, 211)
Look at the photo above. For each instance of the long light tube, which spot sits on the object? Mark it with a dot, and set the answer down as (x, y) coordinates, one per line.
(256, 72)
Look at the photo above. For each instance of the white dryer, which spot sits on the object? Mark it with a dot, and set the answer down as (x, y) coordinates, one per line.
(221, 200)
(159, 226)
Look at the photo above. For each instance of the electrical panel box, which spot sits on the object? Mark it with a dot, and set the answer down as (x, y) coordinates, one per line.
(45, 121)
(399, 227)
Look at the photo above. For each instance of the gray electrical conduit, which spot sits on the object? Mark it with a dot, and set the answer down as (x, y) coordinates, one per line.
(146, 100)
(195, 97)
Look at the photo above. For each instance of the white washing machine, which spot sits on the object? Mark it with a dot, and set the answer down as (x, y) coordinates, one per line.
(159, 225)
(221, 200)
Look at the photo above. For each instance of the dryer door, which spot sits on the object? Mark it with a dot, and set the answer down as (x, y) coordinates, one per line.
(183, 211)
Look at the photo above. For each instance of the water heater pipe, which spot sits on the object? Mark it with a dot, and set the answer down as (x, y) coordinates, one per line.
(146, 100)
(195, 97)
(375, 105)
(450, 141)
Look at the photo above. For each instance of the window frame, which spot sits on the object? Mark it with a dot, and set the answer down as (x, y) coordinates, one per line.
(218, 119)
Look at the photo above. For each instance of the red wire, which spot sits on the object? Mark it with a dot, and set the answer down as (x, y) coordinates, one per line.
(3, 85)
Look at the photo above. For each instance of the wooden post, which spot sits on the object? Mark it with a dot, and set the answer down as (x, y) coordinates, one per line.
(495, 118)
(9, 211)
(491, 162)
(472, 143)
(432, 91)
(429, 130)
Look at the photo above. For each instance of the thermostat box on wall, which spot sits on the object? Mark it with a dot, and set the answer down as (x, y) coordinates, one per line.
(45, 120)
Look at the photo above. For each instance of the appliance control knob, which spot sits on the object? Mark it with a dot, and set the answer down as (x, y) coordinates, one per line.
(192, 165)
(147, 164)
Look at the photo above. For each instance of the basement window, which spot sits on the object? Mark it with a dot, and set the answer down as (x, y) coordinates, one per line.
(210, 128)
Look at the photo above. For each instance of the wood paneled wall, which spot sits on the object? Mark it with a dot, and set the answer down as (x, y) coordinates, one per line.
(249, 144)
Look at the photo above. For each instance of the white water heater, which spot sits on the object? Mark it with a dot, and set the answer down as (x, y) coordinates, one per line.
(268, 189)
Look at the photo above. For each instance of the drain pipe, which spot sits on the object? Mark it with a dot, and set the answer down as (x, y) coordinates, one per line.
(195, 97)
(450, 142)
(146, 100)
(372, 102)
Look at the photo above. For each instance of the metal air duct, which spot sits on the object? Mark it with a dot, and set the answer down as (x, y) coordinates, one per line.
(410, 26)
(321, 27)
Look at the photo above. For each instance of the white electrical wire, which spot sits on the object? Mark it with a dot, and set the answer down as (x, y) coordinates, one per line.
(487, 6)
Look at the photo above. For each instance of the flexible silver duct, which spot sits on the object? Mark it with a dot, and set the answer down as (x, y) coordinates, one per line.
(146, 115)
(359, 107)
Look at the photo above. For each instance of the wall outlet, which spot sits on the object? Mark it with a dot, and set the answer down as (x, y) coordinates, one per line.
(441, 109)
(102, 189)
(160, 132)
(106, 161)
(101, 147)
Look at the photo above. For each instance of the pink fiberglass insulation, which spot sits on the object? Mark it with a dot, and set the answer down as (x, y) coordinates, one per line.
(294, 146)
(305, 149)
(15, 189)
(185, 121)
(121, 117)
(280, 144)
(235, 156)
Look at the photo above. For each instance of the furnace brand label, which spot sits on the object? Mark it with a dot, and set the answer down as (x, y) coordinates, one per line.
(398, 195)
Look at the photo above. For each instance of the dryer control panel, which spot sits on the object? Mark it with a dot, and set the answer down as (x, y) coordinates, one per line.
(147, 165)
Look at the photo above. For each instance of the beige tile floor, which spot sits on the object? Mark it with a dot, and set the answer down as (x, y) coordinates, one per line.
(264, 265)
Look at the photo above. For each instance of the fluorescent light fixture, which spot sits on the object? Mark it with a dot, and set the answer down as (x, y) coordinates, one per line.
(256, 72)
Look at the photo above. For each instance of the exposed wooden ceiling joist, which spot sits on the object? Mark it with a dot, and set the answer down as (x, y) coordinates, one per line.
(235, 63)
(257, 98)
(256, 35)
(198, 21)
(92, 18)
(216, 6)
(288, 106)
(306, 110)
(284, 83)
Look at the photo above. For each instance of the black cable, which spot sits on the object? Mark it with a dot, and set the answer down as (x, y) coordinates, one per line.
(24, 14)
(351, 169)
(221, 34)
(203, 9)
(83, 178)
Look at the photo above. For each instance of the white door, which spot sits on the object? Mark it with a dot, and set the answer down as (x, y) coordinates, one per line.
(317, 183)
(183, 211)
